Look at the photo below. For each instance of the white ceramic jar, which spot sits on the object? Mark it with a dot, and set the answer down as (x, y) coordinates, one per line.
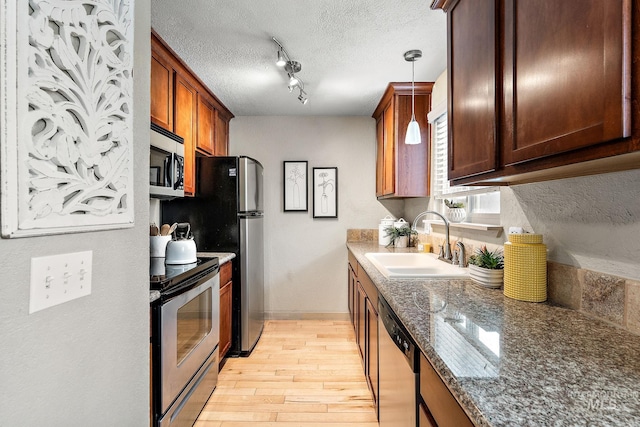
(385, 222)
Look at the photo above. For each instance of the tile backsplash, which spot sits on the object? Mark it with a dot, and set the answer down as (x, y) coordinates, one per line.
(607, 297)
(610, 298)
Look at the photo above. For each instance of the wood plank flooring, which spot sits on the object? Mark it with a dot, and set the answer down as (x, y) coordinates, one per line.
(301, 373)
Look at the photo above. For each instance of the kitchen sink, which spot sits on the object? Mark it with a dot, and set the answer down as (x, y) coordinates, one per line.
(424, 265)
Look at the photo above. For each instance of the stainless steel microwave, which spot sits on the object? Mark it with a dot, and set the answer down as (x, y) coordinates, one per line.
(166, 164)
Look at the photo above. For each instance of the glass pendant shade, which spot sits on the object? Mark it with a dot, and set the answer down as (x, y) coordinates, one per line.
(413, 133)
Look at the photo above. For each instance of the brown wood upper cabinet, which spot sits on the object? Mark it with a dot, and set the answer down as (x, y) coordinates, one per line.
(221, 139)
(161, 91)
(535, 86)
(402, 170)
(181, 103)
(206, 124)
(186, 127)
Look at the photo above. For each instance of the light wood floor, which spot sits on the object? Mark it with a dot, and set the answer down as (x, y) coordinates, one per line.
(302, 373)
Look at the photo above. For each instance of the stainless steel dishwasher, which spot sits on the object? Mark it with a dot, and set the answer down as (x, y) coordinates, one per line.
(398, 371)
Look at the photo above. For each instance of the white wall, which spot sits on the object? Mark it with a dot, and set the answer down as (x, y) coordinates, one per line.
(590, 222)
(84, 362)
(306, 258)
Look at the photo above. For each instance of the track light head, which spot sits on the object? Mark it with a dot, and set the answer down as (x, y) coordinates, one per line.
(302, 98)
(281, 61)
(293, 80)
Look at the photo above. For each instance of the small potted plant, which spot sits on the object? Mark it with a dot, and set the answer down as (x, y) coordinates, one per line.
(456, 211)
(487, 267)
(400, 237)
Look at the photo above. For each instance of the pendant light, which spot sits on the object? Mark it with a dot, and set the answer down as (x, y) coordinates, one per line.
(413, 130)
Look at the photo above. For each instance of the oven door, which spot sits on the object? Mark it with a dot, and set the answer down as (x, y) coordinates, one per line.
(189, 333)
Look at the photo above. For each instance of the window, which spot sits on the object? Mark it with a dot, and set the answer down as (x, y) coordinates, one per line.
(482, 203)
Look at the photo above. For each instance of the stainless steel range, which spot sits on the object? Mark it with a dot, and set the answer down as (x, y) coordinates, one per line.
(186, 332)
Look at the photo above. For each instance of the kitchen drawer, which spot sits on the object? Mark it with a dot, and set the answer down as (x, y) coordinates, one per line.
(225, 273)
(440, 402)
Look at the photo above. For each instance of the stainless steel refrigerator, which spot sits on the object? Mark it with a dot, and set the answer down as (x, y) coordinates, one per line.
(226, 215)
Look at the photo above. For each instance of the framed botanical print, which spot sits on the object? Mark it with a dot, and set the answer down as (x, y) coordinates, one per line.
(296, 184)
(325, 192)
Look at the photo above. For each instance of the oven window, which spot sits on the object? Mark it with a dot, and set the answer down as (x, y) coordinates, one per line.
(194, 323)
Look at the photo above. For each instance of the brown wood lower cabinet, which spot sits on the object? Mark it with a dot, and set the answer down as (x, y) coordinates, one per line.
(361, 335)
(225, 308)
(424, 417)
(438, 406)
(371, 359)
(363, 303)
(351, 295)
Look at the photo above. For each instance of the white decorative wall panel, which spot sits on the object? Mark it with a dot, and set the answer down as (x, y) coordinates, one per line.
(66, 116)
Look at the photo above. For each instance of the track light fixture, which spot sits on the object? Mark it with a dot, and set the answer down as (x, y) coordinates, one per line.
(291, 68)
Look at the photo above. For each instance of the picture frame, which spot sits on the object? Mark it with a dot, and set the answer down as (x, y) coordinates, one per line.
(295, 186)
(325, 192)
(62, 170)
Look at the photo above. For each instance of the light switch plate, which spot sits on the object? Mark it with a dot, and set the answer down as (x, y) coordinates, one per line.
(60, 278)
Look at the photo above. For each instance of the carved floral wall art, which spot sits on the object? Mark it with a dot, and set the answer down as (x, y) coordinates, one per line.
(66, 116)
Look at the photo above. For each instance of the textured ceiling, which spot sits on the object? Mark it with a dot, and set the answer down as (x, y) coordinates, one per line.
(349, 49)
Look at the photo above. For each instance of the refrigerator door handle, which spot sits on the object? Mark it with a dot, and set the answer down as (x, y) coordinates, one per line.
(251, 214)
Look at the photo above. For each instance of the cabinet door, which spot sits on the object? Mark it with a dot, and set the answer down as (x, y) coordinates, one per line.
(161, 92)
(380, 156)
(441, 404)
(389, 177)
(185, 126)
(564, 77)
(424, 417)
(371, 358)
(206, 124)
(226, 298)
(472, 88)
(351, 295)
(361, 307)
(412, 161)
(221, 147)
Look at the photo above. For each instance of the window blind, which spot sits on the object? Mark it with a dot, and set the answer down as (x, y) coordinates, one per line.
(441, 188)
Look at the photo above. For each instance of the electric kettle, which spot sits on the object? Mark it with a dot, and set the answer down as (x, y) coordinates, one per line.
(182, 248)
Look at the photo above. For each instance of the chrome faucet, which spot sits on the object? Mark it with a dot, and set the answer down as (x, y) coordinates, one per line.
(461, 255)
(447, 256)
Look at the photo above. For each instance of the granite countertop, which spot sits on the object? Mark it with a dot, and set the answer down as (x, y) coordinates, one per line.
(223, 257)
(514, 363)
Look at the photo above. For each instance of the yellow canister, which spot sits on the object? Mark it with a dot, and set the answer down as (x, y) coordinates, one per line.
(525, 268)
